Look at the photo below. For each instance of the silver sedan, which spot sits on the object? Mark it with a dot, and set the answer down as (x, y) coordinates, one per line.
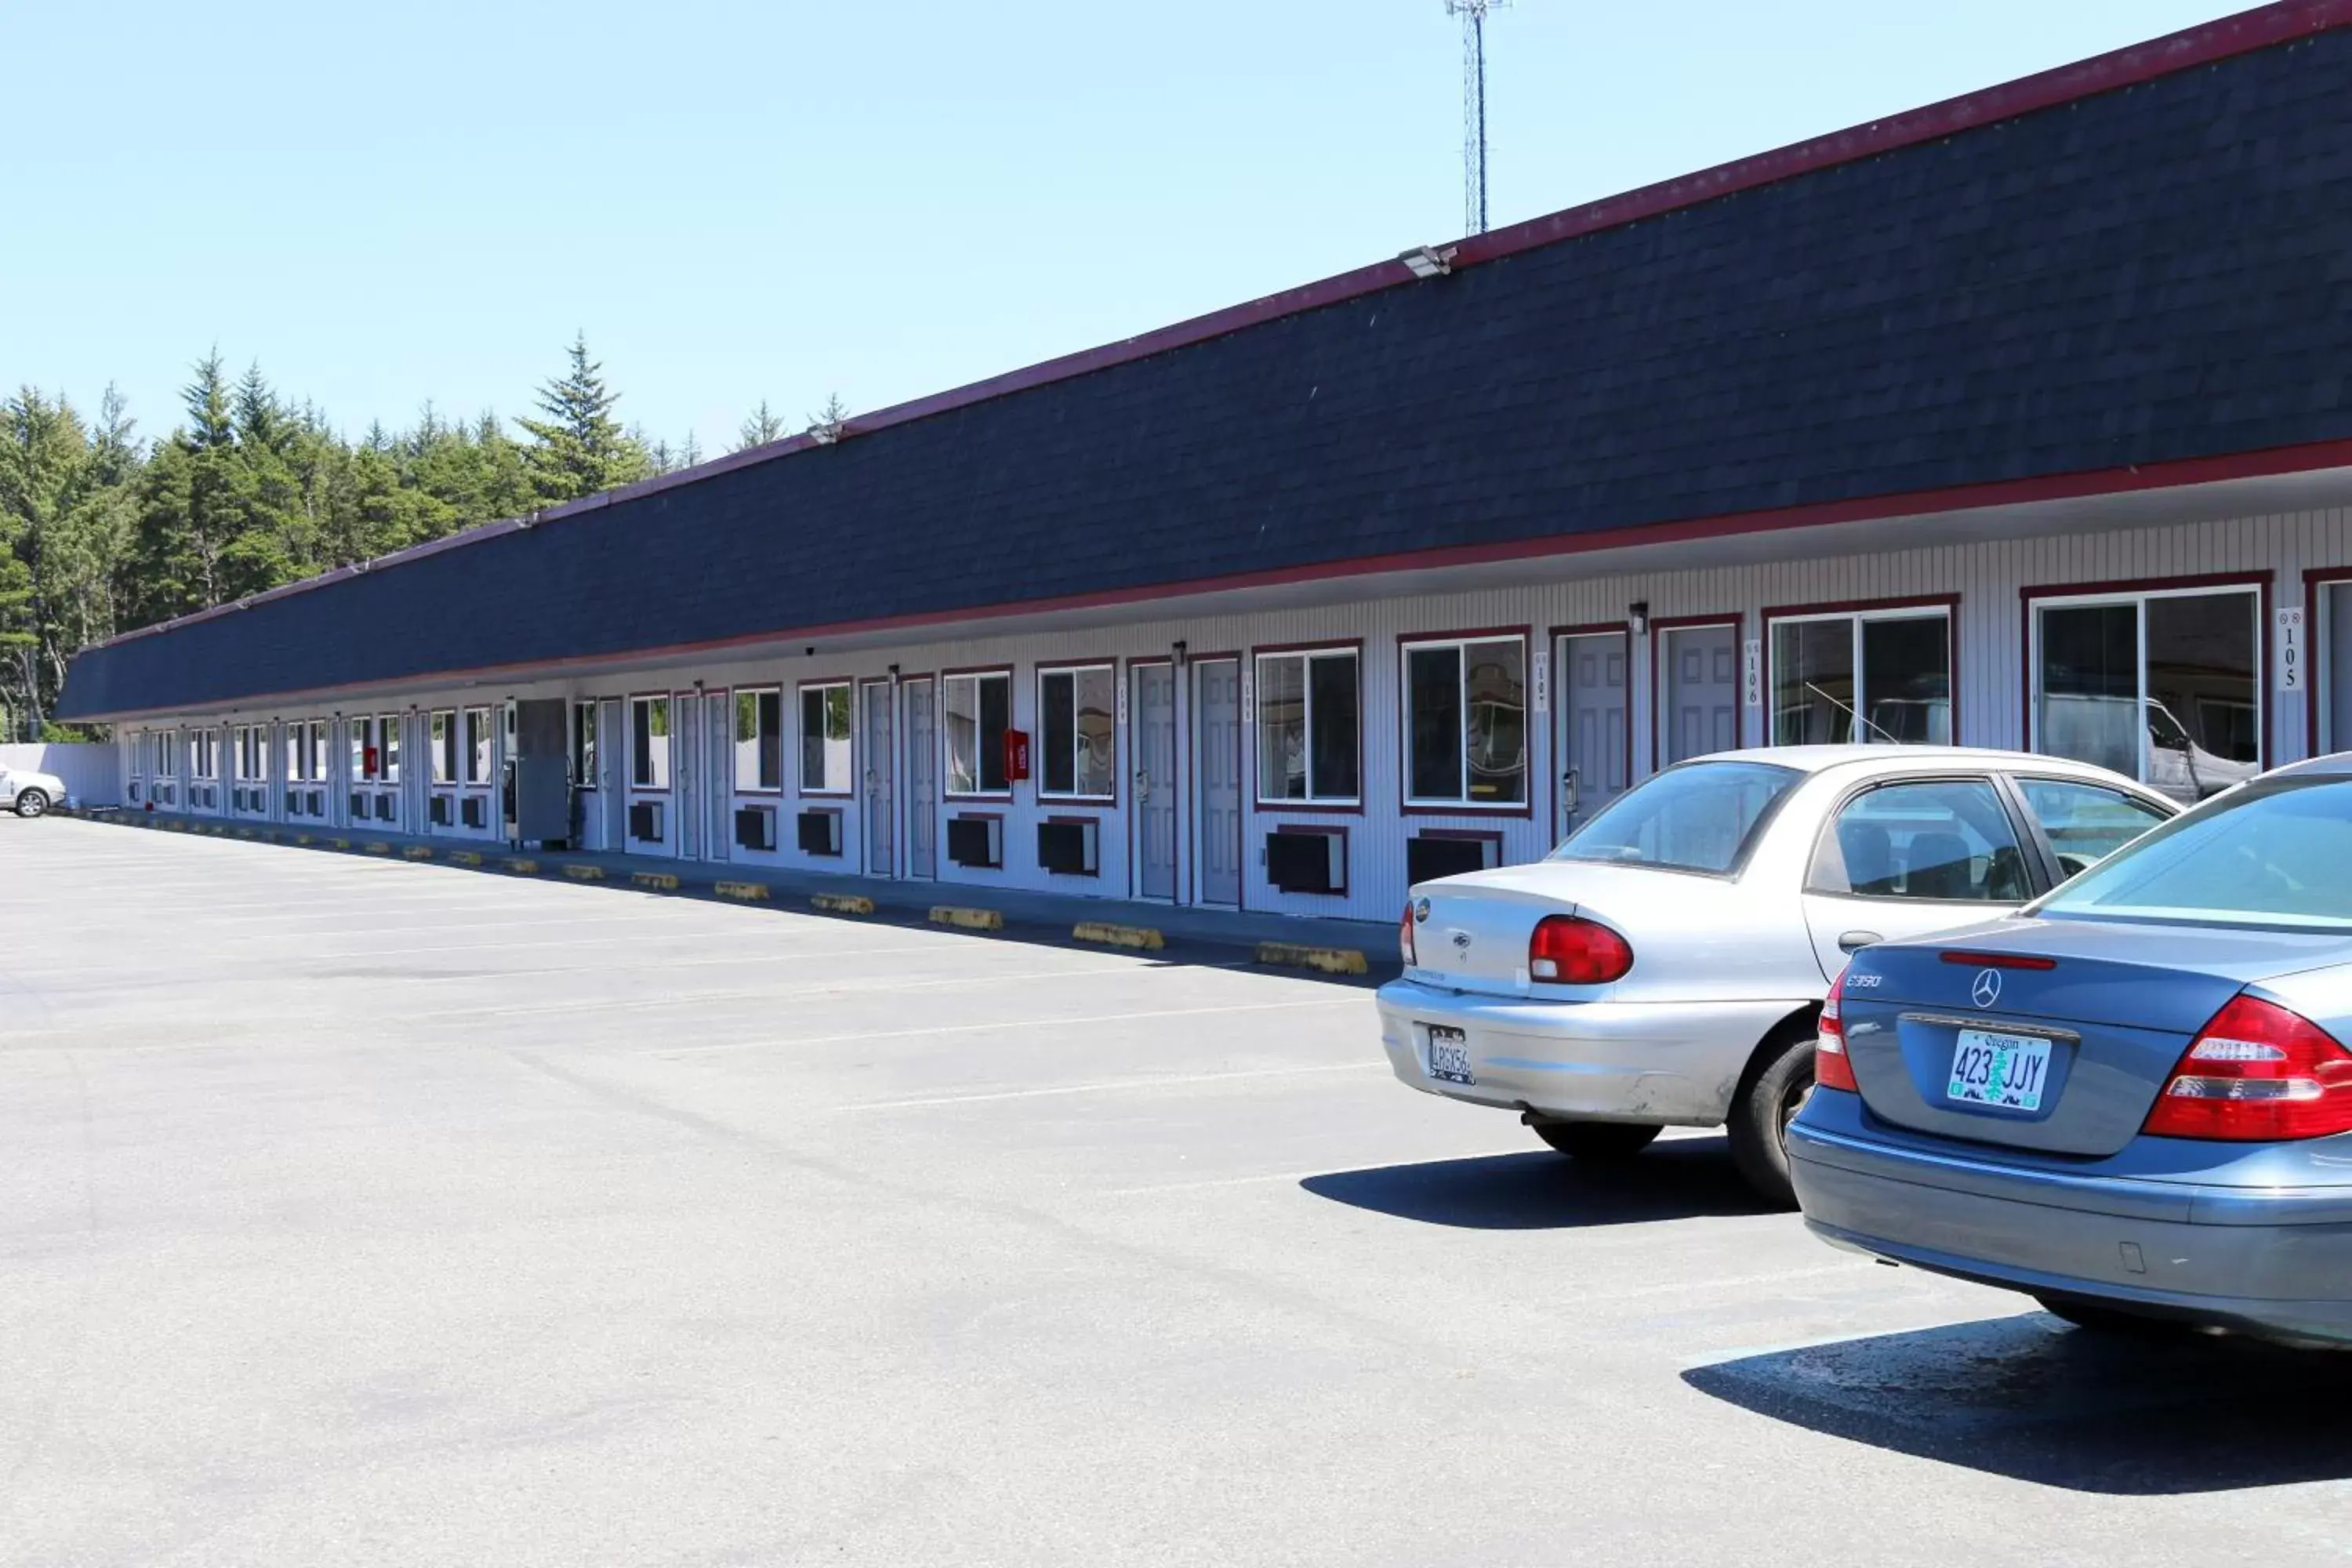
(1664, 966)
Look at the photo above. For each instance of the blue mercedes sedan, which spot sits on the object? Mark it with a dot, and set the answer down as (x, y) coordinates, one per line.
(2132, 1101)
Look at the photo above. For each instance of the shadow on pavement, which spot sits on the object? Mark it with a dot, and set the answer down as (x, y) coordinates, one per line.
(1543, 1191)
(2031, 1398)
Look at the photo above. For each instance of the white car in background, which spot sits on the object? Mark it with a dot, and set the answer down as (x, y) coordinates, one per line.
(29, 793)
(1663, 967)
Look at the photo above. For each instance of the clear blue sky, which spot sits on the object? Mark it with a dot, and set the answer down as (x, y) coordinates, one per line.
(386, 204)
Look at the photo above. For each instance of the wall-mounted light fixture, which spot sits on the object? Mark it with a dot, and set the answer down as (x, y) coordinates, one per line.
(1423, 261)
(1637, 615)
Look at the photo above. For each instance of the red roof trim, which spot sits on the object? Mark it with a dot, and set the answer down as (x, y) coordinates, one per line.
(2276, 461)
(2244, 33)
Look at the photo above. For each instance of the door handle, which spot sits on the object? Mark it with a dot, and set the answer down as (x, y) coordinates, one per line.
(1854, 940)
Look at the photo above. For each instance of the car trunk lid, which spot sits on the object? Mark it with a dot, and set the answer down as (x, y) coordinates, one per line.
(1473, 935)
(2069, 1028)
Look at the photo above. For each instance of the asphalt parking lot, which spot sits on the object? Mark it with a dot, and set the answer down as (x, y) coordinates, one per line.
(359, 1212)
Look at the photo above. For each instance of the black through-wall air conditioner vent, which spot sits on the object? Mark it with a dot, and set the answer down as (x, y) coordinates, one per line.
(1427, 857)
(1068, 848)
(1305, 862)
(976, 841)
(820, 832)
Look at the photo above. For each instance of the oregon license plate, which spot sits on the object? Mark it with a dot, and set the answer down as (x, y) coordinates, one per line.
(1449, 1055)
(2009, 1071)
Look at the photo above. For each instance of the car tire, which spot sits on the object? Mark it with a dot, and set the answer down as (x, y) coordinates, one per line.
(1601, 1142)
(2099, 1318)
(1768, 1099)
(31, 803)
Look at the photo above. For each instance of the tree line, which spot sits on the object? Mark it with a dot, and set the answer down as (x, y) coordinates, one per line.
(102, 532)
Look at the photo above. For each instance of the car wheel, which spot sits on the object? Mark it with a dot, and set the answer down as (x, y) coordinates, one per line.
(1596, 1141)
(1774, 1092)
(2100, 1318)
(31, 803)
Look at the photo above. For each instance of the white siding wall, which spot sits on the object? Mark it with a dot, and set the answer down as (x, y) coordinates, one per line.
(90, 769)
(1986, 576)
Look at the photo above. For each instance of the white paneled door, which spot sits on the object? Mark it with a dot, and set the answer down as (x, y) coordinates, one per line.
(717, 775)
(1217, 751)
(686, 750)
(1155, 781)
(881, 758)
(922, 755)
(1595, 728)
(1699, 691)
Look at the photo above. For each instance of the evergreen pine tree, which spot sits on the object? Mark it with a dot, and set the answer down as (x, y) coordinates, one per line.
(761, 426)
(273, 543)
(102, 532)
(833, 414)
(206, 399)
(579, 449)
(64, 522)
(189, 510)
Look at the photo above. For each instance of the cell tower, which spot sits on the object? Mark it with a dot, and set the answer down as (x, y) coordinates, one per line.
(1473, 107)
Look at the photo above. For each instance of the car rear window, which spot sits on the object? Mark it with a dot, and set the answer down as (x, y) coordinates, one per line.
(1698, 816)
(2271, 854)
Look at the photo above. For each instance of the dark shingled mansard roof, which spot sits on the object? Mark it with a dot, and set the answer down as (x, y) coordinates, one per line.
(2141, 261)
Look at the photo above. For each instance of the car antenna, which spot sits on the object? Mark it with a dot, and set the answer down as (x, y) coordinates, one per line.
(1851, 713)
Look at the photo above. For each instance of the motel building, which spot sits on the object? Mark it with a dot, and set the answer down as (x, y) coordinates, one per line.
(2022, 420)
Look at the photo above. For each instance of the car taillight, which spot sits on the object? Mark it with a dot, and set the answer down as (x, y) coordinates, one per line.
(1568, 951)
(1404, 936)
(2256, 1073)
(1831, 1067)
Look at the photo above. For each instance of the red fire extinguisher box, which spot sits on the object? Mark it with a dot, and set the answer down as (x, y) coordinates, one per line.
(1016, 755)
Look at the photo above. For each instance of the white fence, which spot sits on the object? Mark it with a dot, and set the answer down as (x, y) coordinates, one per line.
(91, 773)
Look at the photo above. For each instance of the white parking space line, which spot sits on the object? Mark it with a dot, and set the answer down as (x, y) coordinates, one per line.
(1210, 1183)
(512, 922)
(1009, 1024)
(1116, 1086)
(771, 954)
(798, 955)
(826, 988)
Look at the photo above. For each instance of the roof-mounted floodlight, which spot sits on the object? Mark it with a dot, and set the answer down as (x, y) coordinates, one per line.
(1423, 261)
